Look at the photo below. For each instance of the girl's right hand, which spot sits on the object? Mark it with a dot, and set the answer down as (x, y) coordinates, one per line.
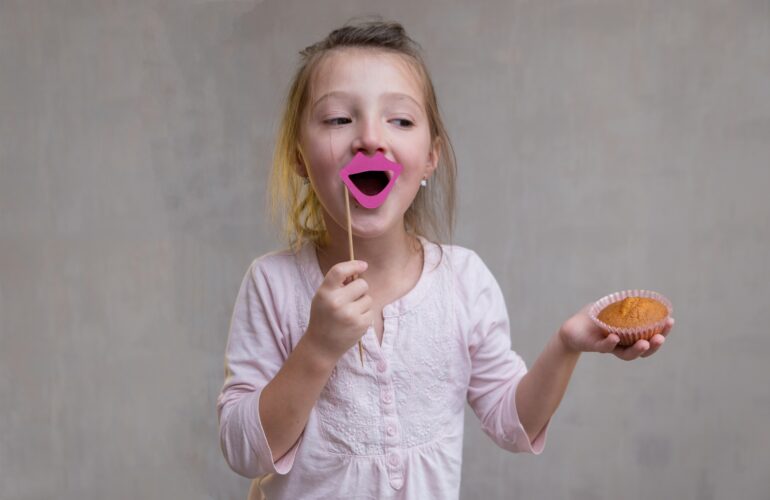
(340, 312)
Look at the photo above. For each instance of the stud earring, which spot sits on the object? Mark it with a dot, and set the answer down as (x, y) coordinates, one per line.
(424, 182)
(305, 180)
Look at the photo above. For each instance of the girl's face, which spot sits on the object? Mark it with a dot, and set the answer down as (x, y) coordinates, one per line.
(368, 101)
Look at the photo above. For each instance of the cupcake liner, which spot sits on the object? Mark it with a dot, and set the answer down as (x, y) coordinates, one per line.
(630, 335)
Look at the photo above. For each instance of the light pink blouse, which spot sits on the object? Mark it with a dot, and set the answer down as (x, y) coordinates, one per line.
(394, 427)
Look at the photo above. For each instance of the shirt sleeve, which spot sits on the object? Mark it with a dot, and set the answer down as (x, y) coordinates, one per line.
(496, 370)
(256, 349)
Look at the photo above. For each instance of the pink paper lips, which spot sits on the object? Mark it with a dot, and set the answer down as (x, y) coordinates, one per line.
(370, 179)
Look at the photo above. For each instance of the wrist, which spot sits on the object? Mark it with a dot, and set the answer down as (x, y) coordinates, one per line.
(315, 356)
(564, 343)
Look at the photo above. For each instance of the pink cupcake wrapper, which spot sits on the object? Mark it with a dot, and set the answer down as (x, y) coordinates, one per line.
(630, 335)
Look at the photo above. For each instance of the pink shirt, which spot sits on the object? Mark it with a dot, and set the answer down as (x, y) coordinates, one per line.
(394, 427)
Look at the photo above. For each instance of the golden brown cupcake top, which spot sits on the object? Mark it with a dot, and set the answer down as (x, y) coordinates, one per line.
(632, 312)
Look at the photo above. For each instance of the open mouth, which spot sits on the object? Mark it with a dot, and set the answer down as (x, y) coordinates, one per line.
(371, 182)
(370, 179)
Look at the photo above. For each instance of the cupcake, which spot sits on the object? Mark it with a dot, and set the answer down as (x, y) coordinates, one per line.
(632, 314)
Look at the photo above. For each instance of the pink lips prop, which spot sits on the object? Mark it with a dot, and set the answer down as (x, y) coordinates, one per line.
(362, 163)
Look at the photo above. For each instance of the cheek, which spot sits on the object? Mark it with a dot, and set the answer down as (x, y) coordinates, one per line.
(419, 152)
(318, 160)
(414, 162)
(327, 151)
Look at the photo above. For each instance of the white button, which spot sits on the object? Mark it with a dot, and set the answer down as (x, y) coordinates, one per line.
(397, 483)
(387, 397)
(393, 460)
(382, 366)
(391, 430)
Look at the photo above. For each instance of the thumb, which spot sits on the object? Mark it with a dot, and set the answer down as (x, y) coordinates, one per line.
(609, 343)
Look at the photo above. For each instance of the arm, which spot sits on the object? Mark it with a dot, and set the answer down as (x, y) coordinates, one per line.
(514, 404)
(287, 400)
(339, 316)
(270, 388)
(542, 388)
(496, 370)
(256, 350)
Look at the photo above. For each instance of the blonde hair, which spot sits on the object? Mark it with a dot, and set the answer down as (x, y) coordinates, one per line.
(293, 203)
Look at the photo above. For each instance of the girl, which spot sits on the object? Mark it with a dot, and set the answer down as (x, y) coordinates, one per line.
(299, 411)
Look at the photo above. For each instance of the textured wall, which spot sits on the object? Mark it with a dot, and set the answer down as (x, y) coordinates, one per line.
(602, 145)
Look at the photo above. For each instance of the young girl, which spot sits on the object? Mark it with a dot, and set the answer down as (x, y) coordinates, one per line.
(300, 411)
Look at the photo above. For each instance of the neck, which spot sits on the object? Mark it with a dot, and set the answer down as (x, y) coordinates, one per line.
(386, 253)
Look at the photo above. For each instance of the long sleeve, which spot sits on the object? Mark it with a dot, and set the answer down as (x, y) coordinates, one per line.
(496, 370)
(256, 349)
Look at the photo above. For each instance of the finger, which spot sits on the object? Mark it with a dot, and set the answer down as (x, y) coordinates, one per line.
(363, 304)
(341, 271)
(655, 342)
(631, 352)
(352, 291)
(361, 312)
(667, 328)
(609, 343)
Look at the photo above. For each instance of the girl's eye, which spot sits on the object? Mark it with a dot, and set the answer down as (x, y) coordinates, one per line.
(337, 121)
(401, 122)
(404, 122)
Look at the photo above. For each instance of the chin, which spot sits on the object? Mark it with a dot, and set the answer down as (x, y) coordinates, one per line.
(368, 232)
(370, 229)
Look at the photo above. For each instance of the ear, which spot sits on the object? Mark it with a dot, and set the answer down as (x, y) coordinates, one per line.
(299, 164)
(433, 157)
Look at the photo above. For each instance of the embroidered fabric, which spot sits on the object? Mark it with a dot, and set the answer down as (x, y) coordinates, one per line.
(423, 379)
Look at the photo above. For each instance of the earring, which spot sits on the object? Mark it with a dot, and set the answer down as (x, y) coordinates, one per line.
(305, 180)
(424, 182)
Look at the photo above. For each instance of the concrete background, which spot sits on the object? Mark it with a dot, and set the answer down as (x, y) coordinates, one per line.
(602, 145)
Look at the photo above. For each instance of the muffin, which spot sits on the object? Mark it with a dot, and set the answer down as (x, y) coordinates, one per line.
(632, 314)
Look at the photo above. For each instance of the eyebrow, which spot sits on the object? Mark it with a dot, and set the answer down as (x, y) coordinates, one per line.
(387, 95)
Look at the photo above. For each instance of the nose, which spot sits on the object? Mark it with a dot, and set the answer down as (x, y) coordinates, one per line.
(369, 137)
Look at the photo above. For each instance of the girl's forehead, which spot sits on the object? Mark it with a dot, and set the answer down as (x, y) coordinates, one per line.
(356, 70)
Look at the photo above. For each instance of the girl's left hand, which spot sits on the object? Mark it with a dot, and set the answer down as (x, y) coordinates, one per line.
(581, 334)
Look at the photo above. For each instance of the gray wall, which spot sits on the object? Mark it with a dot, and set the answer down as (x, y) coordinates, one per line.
(629, 145)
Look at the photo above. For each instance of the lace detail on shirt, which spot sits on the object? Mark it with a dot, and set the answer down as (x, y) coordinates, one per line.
(428, 384)
(349, 411)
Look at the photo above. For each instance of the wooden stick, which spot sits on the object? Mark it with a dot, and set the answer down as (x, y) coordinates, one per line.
(352, 257)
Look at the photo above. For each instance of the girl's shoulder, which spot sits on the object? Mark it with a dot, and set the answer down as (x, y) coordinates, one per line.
(461, 260)
(472, 285)
(277, 266)
(467, 273)
(274, 261)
